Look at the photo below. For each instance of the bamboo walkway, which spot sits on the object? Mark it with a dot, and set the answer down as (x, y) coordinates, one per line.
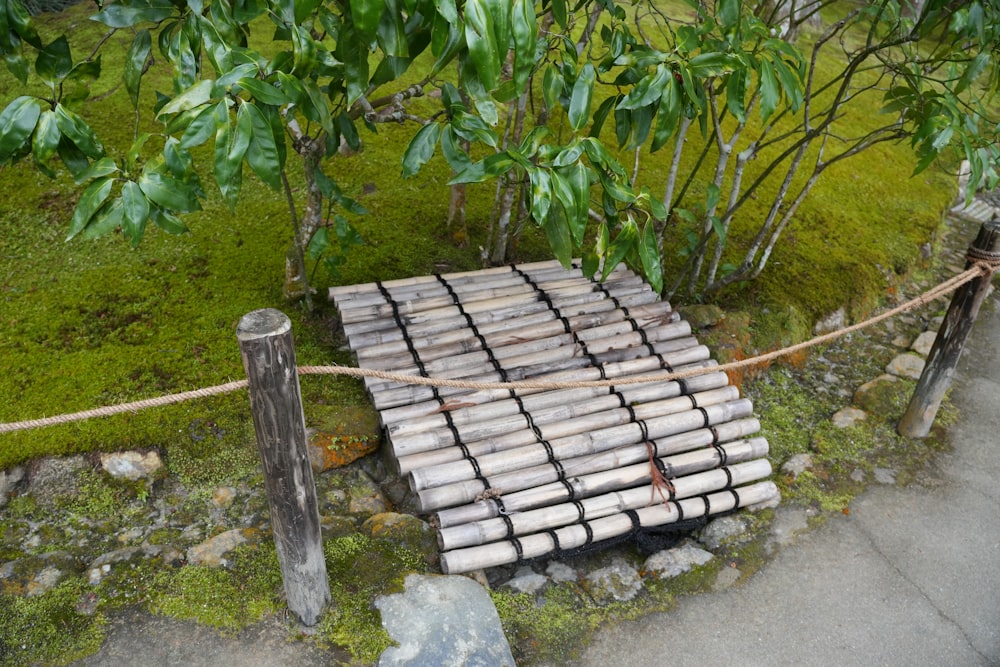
(511, 474)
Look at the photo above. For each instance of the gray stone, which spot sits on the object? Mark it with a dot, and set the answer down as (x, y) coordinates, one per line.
(8, 480)
(723, 530)
(901, 341)
(797, 465)
(560, 572)
(526, 580)
(922, 345)
(55, 476)
(618, 581)
(788, 522)
(848, 417)
(906, 366)
(726, 578)
(702, 316)
(44, 581)
(885, 475)
(832, 322)
(373, 504)
(672, 562)
(223, 497)
(442, 621)
(132, 466)
(212, 552)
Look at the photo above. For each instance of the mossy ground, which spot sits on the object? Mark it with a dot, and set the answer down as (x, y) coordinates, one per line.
(93, 322)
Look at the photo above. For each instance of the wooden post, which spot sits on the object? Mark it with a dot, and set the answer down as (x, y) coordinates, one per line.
(265, 338)
(950, 341)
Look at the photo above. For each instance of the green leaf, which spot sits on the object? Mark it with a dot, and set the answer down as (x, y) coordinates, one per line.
(623, 126)
(769, 94)
(591, 263)
(484, 51)
(736, 93)
(616, 190)
(420, 149)
(648, 90)
(264, 92)
(366, 15)
(318, 244)
(54, 62)
(262, 154)
(99, 169)
(204, 125)
(472, 128)
(17, 122)
(524, 28)
(76, 130)
(135, 63)
(711, 64)
(45, 143)
(729, 15)
(107, 219)
(583, 92)
(121, 15)
(790, 83)
(169, 193)
(620, 247)
(558, 234)
(457, 158)
(231, 144)
(167, 221)
(552, 86)
(20, 22)
(667, 115)
(18, 66)
(541, 193)
(559, 13)
(972, 71)
(391, 34)
(195, 96)
(578, 178)
(74, 159)
(90, 201)
(135, 211)
(649, 256)
(601, 115)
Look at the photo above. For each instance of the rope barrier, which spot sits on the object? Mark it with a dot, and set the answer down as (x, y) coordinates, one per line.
(984, 265)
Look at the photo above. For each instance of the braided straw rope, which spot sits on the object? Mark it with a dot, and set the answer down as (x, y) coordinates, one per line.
(984, 264)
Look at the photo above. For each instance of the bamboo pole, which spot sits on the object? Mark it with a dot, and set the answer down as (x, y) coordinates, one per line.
(551, 334)
(559, 422)
(595, 507)
(428, 405)
(459, 287)
(503, 417)
(425, 481)
(685, 470)
(950, 341)
(545, 351)
(501, 319)
(508, 331)
(525, 480)
(577, 535)
(582, 366)
(340, 291)
(523, 299)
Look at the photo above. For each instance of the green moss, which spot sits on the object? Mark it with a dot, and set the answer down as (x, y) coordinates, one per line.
(360, 569)
(227, 599)
(48, 629)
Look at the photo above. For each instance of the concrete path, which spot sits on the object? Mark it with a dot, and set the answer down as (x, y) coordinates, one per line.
(910, 577)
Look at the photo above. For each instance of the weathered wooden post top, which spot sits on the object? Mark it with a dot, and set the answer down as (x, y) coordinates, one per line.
(265, 338)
